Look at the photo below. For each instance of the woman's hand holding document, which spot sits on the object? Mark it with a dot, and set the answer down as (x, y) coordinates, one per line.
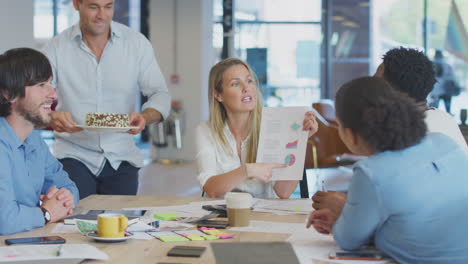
(283, 139)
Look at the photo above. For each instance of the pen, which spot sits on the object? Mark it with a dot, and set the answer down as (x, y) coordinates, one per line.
(323, 186)
(145, 230)
(59, 250)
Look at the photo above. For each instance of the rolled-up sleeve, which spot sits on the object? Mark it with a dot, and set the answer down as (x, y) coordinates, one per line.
(361, 214)
(152, 83)
(206, 154)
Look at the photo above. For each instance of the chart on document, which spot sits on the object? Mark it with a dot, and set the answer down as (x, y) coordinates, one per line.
(282, 140)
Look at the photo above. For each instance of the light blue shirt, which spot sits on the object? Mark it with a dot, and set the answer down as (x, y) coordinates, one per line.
(27, 170)
(111, 85)
(413, 204)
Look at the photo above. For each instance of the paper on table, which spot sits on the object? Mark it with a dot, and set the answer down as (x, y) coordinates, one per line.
(297, 206)
(272, 227)
(311, 245)
(36, 253)
(186, 210)
(213, 202)
(282, 140)
(137, 229)
(65, 229)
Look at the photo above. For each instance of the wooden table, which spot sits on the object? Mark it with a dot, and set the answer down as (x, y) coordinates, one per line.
(154, 251)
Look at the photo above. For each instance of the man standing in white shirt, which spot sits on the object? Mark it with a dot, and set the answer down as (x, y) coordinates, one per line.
(100, 66)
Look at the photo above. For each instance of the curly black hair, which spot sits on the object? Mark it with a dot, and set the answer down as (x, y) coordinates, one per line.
(19, 68)
(384, 117)
(409, 71)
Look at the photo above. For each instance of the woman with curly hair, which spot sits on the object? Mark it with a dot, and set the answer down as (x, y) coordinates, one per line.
(407, 197)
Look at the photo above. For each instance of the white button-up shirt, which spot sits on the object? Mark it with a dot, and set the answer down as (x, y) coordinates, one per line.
(111, 85)
(212, 160)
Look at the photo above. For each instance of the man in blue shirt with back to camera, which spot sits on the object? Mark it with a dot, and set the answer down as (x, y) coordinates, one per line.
(34, 189)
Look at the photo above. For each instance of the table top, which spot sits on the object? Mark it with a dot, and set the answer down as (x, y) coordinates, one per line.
(154, 251)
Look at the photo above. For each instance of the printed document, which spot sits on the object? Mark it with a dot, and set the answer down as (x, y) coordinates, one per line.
(282, 140)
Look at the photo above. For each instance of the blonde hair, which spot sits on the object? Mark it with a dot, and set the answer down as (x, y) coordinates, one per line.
(218, 115)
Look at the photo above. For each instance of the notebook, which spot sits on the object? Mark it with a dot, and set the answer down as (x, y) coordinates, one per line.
(132, 215)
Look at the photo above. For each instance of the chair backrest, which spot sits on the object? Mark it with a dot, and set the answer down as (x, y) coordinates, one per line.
(304, 185)
(325, 145)
(326, 108)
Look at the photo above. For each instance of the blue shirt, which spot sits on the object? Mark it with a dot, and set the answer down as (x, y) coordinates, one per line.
(28, 170)
(411, 203)
(110, 85)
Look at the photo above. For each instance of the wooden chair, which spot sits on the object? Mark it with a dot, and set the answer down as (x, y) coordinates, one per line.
(325, 148)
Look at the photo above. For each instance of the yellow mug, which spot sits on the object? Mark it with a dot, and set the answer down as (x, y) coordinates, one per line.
(112, 225)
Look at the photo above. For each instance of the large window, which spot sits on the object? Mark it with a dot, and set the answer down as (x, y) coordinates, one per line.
(54, 16)
(437, 27)
(447, 43)
(294, 68)
(282, 47)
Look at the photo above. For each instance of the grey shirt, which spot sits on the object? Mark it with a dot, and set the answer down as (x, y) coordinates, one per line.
(111, 85)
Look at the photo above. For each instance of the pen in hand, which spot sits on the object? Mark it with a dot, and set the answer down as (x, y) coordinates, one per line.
(323, 185)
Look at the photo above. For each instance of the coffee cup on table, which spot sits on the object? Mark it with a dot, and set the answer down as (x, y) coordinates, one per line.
(238, 208)
(112, 225)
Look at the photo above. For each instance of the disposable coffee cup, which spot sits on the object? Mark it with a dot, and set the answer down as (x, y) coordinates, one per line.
(238, 208)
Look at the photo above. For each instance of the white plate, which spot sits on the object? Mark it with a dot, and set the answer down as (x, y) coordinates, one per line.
(94, 236)
(107, 129)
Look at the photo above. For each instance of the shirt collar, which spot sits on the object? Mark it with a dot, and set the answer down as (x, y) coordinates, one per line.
(77, 34)
(9, 135)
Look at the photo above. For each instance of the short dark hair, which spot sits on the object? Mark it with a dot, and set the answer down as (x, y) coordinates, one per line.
(384, 117)
(409, 71)
(19, 68)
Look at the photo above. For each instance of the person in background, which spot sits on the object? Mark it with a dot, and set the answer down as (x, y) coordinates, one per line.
(34, 189)
(227, 143)
(411, 72)
(101, 66)
(391, 196)
(446, 85)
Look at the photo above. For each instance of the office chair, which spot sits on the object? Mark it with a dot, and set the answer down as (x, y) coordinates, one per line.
(325, 148)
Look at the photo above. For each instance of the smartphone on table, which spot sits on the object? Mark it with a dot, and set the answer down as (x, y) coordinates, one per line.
(219, 224)
(356, 255)
(36, 240)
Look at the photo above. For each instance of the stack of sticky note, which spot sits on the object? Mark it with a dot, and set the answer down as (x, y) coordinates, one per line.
(215, 232)
(169, 236)
(166, 216)
(194, 235)
(191, 235)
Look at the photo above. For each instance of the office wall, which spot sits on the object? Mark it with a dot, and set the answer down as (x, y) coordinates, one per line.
(16, 24)
(181, 33)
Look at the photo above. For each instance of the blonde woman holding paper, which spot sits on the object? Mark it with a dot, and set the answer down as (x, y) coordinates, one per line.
(227, 143)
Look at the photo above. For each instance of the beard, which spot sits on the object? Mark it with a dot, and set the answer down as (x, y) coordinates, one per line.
(32, 114)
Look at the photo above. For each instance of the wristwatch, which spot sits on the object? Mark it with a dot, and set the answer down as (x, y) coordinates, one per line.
(46, 215)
